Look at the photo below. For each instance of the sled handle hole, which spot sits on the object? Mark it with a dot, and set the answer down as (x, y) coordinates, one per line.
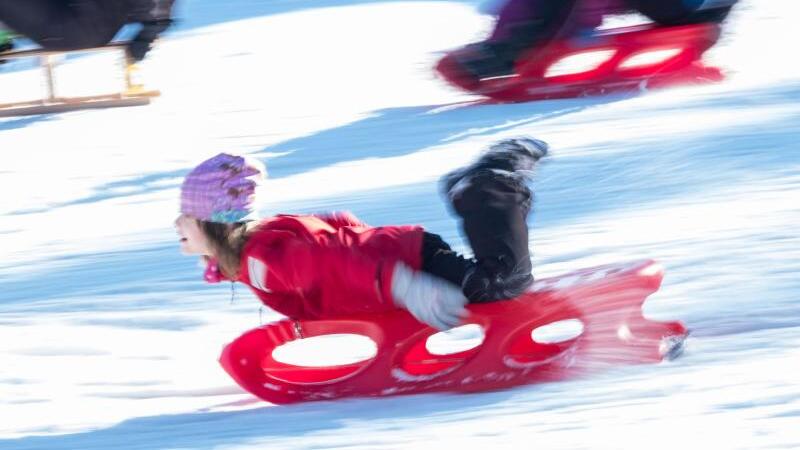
(650, 58)
(543, 344)
(558, 332)
(455, 340)
(579, 63)
(441, 352)
(320, 359)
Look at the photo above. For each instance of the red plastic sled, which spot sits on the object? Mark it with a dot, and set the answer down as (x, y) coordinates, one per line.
(606, 300)
(618, 60)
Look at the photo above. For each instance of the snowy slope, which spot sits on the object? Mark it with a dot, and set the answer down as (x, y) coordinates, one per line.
(110, 339)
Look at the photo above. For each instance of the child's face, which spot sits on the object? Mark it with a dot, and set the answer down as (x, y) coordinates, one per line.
(193, 241)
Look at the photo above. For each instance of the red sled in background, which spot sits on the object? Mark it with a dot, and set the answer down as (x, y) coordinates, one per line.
(602, 305)
(617, 60)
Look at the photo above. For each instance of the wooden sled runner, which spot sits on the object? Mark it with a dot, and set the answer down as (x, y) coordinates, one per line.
(132, 95)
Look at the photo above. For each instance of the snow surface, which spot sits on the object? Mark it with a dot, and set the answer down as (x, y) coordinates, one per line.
(109, 338)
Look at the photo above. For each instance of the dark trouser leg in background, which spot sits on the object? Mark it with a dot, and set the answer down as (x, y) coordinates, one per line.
(521, 25)
(524, 22)
(684, 12)
(493, 200)
(155, 17)
(59, 25)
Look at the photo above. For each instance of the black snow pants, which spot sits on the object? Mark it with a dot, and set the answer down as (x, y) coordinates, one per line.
(493, 210)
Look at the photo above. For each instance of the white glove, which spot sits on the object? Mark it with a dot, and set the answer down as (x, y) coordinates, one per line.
(432, 300)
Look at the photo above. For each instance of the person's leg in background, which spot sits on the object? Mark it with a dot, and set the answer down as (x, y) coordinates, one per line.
(684, 12)
(58, 25)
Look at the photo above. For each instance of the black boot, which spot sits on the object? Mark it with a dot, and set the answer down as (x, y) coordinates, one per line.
(481, 60)
(497, 278)
(493, 200)
(517, 156)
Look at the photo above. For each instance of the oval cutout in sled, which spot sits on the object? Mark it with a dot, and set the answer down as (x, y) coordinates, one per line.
(650, 58)
(543, 344)
(441, 352)
(556, 332)
(455, 340)
(326, 350)
(578, 63)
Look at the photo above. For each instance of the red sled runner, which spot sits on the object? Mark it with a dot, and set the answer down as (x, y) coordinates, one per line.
(618, 60)
(605, 301)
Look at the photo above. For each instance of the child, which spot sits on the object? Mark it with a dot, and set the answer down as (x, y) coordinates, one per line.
(79, 24)
(326, 266)
(527, 24)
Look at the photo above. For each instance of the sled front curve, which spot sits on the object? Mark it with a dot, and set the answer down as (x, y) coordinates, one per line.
(606, 300)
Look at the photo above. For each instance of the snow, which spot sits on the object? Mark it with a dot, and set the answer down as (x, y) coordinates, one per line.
(110, 337)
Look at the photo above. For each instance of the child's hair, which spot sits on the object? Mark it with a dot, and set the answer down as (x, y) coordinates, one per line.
(227, 242)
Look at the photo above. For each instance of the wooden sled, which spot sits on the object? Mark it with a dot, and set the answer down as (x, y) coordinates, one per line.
(133, 94)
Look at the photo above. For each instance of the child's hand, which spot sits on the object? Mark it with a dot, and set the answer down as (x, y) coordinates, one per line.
(432, 300)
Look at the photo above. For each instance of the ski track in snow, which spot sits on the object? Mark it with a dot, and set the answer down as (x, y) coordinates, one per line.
(110, 338)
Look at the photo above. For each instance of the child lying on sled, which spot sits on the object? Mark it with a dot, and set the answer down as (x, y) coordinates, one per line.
(324, 266)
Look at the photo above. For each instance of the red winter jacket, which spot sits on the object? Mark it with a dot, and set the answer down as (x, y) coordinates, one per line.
(312, 267)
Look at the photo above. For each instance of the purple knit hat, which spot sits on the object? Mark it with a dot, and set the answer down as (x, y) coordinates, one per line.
(222, 189)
